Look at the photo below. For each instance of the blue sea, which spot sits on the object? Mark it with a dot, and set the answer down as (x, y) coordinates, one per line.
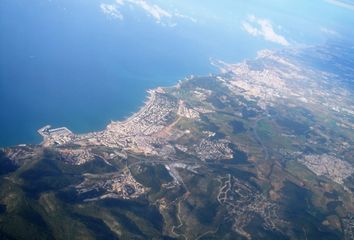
(65, 63)
(74, 67)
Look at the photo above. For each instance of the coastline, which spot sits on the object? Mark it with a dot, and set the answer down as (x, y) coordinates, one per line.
(46, 130)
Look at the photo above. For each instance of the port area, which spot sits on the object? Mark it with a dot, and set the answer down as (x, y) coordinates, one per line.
(55, 136)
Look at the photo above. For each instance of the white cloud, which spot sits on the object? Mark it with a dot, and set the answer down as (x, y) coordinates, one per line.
(250, 29)
(343, 4)
(120, 2)
(259, 27)
(329, 31)
(177, 14)
(160, 15)
(152, 9)
(111, 10)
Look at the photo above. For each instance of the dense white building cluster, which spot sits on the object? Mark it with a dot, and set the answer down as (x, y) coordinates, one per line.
(214, 150)
(117, 185)
(277, 79)
(329, 166)
(76, 156)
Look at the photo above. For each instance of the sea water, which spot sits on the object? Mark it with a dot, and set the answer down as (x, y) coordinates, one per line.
(65, 63)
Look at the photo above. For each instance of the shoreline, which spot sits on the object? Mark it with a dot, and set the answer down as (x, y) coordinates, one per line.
(34, 138)
(148, 102)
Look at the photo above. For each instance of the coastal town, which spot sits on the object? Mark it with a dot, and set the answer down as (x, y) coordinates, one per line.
(144, 132)
(252, 119)
(151, 130)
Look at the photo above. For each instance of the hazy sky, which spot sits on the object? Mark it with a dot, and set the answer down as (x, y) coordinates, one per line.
(276, 21)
